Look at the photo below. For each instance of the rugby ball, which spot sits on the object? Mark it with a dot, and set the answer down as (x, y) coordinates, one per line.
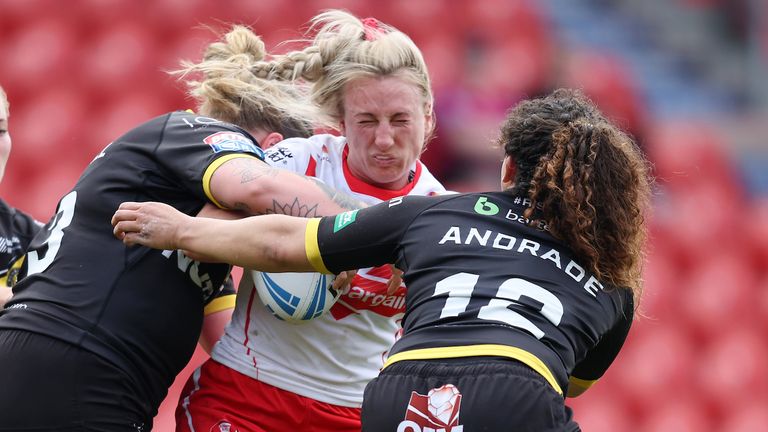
(295, 297)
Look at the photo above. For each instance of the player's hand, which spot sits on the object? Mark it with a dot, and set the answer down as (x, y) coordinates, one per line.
(151, 224)
(343, 280)
(394, 282)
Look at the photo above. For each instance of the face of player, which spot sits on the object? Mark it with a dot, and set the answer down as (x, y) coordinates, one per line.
(385, 123)
(5, 139)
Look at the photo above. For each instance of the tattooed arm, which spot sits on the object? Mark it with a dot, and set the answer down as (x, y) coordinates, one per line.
(252, 186)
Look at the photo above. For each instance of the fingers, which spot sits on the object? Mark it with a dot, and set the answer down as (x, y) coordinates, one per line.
(126, 230)
(394, 282)
(343, 280)
(123, 215)
(130, 205)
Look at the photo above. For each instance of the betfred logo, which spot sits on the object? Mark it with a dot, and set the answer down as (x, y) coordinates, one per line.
(438, 411)
(232, 141)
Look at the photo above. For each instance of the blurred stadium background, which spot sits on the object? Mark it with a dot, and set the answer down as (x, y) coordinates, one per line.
(687, 77)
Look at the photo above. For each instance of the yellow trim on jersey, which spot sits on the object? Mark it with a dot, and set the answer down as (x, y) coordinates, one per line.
(212, 169)
(580, 383)
(475, 351)
(312, 248)
(10, 272)
(219, 304)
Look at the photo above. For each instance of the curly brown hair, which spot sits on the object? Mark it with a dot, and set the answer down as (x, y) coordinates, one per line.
(586, 178)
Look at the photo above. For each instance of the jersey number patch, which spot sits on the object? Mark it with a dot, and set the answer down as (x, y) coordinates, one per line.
(64, 215)
(460, 286)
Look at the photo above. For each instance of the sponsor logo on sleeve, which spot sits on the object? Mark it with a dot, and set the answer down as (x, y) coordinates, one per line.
(343, 220)
(278, 154)
(438, 410)
(232, 141)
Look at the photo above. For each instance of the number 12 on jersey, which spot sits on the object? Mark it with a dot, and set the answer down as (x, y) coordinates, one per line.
(460, 286)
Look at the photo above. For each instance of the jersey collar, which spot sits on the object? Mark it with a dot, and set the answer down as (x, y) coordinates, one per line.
(359, 186)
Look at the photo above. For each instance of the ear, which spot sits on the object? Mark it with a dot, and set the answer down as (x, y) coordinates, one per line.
(343, 128)
(508, 171)
(429, 121)
(271, 139)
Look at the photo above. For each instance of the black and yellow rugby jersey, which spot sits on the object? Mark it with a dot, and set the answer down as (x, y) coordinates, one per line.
(137, 307)
(481, 282)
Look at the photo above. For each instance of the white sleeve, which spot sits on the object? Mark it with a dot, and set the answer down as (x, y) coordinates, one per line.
(292, 154)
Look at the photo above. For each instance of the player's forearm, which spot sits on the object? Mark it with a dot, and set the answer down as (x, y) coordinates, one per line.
(268, 243)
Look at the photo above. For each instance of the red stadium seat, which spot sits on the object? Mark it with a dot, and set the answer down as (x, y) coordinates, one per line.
(420, 20)
(48, 126)
(42, 193)
(654, 366)
(122, 57)
(761, 300)
(718, 295)
(732, 371)
(505, 19)
(750, 417)
(679, 415)
(40, 56)
(604, 412)
(690, 154)
(608, 81)
(695, 221)
(661, 290)
(444, 56)
(124, 113)
(757, 233)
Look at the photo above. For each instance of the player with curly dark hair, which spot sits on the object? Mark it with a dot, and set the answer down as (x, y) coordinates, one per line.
(516, 299)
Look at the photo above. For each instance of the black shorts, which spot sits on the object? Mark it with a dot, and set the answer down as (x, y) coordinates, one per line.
(50, 385)
(478, 393)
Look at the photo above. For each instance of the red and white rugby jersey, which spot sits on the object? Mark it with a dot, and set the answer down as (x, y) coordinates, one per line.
(330, 358)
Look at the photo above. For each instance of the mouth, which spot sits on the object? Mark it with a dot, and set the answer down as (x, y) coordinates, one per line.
(384, 159)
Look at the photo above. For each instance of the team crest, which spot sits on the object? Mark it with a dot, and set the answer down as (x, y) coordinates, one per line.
(436, 411)
(223, 426)
(232, 141)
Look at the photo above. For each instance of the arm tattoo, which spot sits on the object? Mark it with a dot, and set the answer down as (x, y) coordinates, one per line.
(296, 208)
(251, 170)
(340, 198)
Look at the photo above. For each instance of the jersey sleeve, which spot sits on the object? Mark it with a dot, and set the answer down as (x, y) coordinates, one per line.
(292, 154)
(362, 238)
(24, 228)
(192, 149)
(223, 299)
(599, 358)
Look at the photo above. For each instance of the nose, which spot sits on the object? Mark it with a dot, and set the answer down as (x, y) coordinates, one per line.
(384, 135)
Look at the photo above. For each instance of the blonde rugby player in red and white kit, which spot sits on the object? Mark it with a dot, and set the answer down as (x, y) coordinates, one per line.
(269, 375)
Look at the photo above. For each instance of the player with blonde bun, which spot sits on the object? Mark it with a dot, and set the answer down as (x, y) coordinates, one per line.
(369, 81)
